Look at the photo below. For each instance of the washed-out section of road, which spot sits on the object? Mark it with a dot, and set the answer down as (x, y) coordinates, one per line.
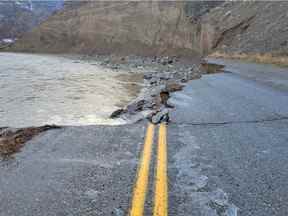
(45, 89)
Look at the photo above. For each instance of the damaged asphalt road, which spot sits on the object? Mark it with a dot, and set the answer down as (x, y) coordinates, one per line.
(228, 148)
(72, 171)
(227, 155)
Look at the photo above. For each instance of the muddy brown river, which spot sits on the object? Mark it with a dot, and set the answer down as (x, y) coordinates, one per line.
(47, 89)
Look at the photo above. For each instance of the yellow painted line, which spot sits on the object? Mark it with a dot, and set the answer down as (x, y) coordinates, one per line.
(161, 187)
(140, 188)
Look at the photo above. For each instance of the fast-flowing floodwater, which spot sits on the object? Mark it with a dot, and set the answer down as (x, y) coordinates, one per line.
(47, 89)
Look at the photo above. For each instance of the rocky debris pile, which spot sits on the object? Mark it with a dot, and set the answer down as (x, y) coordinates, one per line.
(12, 140)
(152, 103)
(182, 76)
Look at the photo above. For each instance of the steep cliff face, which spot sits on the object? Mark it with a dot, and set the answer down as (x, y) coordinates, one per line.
(17, 16)
(148, 27)
(163, 27)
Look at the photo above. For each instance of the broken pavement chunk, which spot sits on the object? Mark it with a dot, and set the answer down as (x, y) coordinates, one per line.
(160, 116)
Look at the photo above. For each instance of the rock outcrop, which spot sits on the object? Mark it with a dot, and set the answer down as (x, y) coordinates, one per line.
(18, 16)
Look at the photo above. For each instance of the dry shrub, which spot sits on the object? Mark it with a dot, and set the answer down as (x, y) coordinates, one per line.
(277, 58)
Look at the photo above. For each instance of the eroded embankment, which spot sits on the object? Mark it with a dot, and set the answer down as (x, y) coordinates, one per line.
(161, 75)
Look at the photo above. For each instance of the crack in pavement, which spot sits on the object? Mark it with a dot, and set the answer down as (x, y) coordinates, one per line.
(232, 122)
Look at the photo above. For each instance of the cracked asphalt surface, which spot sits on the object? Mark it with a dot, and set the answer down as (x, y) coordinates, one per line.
(231, 136)
(227, 153)
(72, 171)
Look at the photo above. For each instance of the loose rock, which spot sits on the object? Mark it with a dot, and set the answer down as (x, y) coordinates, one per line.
(160, 116)
(117, 113)
(159, 82)
(136, 106)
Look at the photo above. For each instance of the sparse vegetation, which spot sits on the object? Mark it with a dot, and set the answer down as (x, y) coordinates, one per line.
(265, 58)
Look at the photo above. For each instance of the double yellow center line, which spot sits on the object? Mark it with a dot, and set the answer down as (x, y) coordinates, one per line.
(141, 185)
(161, 187)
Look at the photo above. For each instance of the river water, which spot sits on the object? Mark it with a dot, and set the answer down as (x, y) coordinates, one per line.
(47, 89)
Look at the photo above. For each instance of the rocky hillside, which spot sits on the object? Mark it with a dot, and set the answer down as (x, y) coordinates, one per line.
(148, 27)
(164, 27)
(17, 16)
(252, 30)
